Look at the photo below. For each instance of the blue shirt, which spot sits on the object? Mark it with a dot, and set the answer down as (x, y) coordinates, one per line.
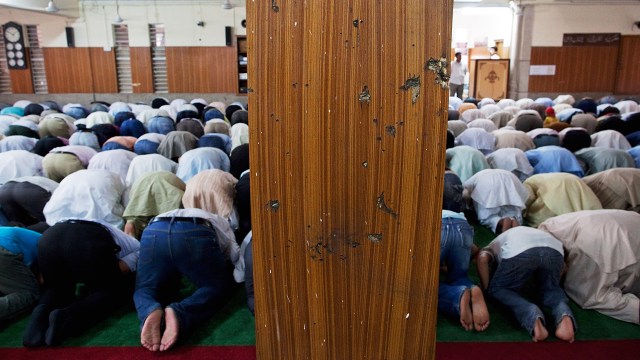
(549, 159)
(20, 241)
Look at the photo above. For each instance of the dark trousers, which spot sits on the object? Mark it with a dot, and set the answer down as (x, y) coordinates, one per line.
(23, 202)
(73, 253)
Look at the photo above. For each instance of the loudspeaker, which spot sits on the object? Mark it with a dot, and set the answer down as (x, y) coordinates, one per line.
(71, 42)
(227, 34)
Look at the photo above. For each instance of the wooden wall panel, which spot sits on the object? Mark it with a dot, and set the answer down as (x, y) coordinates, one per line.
(141, 70)
(578, 69)
(68, 70)
(202, 69)
(346, 175)
(103, 70)
(628, 77)
(21, 81)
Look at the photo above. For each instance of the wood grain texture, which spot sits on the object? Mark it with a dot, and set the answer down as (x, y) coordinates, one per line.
(103, 70)
(578, 69)
(141, 70)
(346, 194)
(68, 70)
(21, 81)
(628, 77)
(202, 69)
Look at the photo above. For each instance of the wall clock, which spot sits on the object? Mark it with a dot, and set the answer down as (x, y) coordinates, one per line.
(14, 45)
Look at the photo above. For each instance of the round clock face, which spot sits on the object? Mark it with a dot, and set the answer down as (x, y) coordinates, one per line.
(18, 46)
(12, 34)
(11, 54)
(12, 62)
(10, 46)
(19, 54)
(20, 62)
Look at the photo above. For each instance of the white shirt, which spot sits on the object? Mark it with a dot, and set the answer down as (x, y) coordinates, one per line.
(513, 160)
(17, 142)
(239, 271)
(18, 163)
(87, 194)
(117, 161)
(610, 139)
(520, 239)
(226, 238)
(458, 72)
(496, 194)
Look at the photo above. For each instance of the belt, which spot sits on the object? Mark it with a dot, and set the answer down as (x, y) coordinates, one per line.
(193, 220)
(80, 221)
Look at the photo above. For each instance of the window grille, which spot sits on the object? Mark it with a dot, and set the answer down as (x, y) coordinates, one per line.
(5, 79)
(123, 58)
(38, 71)
(158, 58)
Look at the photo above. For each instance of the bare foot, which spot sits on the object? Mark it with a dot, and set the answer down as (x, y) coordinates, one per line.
(539, 331)
(564, 330)
(150, 335)
(466, 316)
(171, 329)
(479, 308)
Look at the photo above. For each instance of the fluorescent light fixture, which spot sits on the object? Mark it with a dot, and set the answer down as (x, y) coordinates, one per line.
(51, 7)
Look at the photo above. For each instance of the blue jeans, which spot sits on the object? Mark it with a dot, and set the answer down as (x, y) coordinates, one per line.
(543, 263)
(170, 249)
(456, 238)
(143, 147)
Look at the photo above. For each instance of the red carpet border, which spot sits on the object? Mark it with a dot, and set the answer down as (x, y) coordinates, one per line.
(587, 350)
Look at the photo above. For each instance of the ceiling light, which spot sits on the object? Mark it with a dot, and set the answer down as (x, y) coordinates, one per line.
(227, 5)
(51, 7)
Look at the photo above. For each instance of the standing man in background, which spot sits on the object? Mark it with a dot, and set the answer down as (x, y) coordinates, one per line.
(458, 72)
(493, 53)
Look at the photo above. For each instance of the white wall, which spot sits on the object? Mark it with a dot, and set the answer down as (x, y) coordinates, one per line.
(550, 22)
(93, 27)
(471, 23)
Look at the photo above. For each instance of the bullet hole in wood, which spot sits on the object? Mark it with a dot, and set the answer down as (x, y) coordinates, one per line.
(413, 84)
(273, 205)
(439, 67)
(374, 238)
(365, 164)
(365, 95)
(383, 206)
(391, 130)
(274, 6)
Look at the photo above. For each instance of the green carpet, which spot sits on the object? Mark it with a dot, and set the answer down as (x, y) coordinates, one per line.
(234, 324)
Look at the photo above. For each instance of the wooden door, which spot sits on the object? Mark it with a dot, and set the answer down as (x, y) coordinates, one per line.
(628, 75)
(347, 130)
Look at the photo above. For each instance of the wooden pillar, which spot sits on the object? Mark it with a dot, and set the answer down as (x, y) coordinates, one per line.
(347, 129)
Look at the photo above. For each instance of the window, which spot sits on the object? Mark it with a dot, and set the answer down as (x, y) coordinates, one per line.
(5, 79)
(123, 58)
(38, 71)
(158, 58)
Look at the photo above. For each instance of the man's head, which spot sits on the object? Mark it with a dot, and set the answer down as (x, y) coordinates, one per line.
(458, 56)
(493, 50)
